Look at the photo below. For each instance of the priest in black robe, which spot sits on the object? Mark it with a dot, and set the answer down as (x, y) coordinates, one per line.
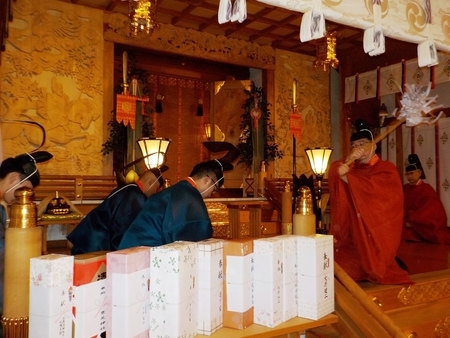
(178, 213)
(102, 229)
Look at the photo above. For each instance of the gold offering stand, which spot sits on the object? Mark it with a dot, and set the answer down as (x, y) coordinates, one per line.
(57, 210)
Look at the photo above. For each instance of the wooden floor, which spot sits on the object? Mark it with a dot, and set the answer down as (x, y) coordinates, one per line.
(424, 257)
(418, 257)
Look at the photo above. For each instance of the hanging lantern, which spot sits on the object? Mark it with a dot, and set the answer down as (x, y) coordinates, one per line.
(142, 16)
(326, 52)
(154, 150)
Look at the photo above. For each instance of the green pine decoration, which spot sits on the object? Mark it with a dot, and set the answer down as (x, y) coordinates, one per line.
(248, 139)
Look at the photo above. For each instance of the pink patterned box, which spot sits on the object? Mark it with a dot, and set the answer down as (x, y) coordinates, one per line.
(127, 298)
(51, 279)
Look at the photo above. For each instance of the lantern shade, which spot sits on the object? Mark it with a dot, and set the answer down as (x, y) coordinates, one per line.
(208, 130)
(318, 159)
(154, 150)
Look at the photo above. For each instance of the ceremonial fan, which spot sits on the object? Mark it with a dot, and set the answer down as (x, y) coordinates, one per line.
(415, 108)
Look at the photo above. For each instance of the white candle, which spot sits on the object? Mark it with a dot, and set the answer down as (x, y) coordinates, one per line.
(294, 91)
(125, 66)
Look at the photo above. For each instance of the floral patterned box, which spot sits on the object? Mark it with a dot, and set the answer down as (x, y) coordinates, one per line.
(128, 291)
(89, 303)
(238, 283)
(174, 290)
(268, 281)
(51, 279)
(210, 286)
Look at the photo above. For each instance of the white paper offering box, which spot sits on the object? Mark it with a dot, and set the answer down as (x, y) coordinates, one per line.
(174, 290)
(51, 280)
(210, 286)
(268, 281)
(238, 283)
(128, 292)
(315, 276)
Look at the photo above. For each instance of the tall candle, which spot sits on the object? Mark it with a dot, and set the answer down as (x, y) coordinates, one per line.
(294, 91)
(125, 66)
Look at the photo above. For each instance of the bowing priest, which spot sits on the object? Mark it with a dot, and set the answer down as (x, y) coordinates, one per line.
(102, 228)
(178, 213)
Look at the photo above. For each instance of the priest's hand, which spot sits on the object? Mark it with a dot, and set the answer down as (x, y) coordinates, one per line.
(356, 154)
(343, 170)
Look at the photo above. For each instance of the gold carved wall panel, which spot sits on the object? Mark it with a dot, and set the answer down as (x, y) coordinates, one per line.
(52, 73)
(313, 101)
(190, 42)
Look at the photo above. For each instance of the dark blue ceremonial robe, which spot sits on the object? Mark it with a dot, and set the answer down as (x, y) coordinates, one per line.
(177, 213)
(103, 228)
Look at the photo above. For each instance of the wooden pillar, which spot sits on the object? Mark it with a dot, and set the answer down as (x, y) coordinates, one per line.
(255, 220)
(234, 214)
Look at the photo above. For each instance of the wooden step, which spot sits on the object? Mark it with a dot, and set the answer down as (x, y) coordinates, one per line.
(427, 287)
(418, 310)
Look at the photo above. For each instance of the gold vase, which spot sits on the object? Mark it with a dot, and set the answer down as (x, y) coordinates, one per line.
(304, 219)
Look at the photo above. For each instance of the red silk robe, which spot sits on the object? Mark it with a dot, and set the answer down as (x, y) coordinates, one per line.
(366, 221)
(425, 217)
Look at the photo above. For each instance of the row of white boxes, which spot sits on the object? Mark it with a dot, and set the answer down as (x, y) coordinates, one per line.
(182, 289)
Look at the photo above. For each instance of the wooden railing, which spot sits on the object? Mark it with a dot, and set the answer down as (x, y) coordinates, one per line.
(83, 193)
(86, 192)
(75, 187)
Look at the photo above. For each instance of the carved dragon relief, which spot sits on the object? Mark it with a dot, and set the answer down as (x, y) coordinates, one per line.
(190, 42)
(52, 75)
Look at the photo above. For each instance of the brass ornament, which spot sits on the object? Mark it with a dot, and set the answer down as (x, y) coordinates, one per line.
(24, 211)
